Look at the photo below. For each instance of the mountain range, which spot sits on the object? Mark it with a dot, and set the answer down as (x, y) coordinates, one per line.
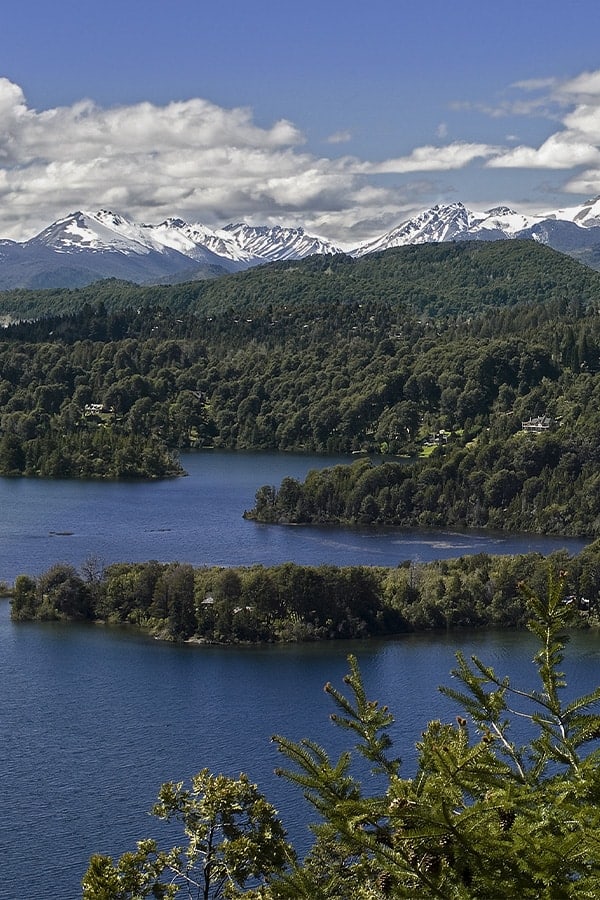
(84, 247)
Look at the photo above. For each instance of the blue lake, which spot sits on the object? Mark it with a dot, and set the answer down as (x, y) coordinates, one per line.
(94, 719)
(198, 519)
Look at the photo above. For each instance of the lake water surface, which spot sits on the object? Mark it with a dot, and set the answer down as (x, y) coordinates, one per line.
(198, 519)
(94, 720)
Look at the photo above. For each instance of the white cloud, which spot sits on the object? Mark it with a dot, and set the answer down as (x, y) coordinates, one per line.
(190, 158)
(587, 183)
(536, 106)
(535, 84)
(339, 137)
(584, 120)
(213, 165)
(433, 159)
(585, 86)
(185, 157)
(564, 150)
(576, 145)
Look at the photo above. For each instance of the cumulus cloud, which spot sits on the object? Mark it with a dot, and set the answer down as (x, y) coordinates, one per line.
(582, 88)
(190, 158)
(434, 159)
(587, 182)
(576, 146)
(213, 165)
(564, 150)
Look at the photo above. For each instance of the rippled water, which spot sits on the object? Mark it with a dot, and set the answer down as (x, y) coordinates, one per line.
(198, 519)
(94, 720)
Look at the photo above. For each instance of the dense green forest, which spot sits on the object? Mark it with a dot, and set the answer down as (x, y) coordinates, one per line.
(432, 279)
(438, 355)
(541, 483)
(290, 602)
(396, 354)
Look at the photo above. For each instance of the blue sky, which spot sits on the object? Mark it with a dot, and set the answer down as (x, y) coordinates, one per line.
(344, 117)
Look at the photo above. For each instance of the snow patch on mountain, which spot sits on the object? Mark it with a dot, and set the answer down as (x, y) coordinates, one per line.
(273, 243)
(85, 246)
(586, 215)
(88, 231)
(452, 222)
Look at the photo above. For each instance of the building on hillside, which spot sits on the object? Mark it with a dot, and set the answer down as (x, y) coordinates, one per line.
(538, 424)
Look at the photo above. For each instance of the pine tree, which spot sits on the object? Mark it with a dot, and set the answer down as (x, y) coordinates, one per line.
(482, 817)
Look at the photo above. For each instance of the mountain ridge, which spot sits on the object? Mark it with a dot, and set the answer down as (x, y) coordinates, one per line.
(83, 247)
(457, 278)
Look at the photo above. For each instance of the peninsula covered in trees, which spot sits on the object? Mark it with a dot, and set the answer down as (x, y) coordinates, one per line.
(289, 602)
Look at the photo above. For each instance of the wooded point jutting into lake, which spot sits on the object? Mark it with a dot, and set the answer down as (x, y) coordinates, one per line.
(176, 602)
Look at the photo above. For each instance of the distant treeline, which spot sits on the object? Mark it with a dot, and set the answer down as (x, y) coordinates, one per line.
(429, 279)
(290, 602)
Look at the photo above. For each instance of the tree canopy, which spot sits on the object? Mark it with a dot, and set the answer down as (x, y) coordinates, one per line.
(290, 602)
(450, 346)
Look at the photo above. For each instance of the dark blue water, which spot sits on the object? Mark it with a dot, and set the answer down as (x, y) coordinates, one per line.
(198, 519)
(94, 720)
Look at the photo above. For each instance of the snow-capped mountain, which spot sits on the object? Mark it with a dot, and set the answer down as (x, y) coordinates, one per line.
(194, 240)
(452, 222)
(276, 243)
(244, 244)
(568, 230)
(441, 223)
(84, 247)
(106, 231)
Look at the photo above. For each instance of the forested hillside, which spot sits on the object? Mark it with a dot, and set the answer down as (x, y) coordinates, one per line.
(433, 279)
(104, 392)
